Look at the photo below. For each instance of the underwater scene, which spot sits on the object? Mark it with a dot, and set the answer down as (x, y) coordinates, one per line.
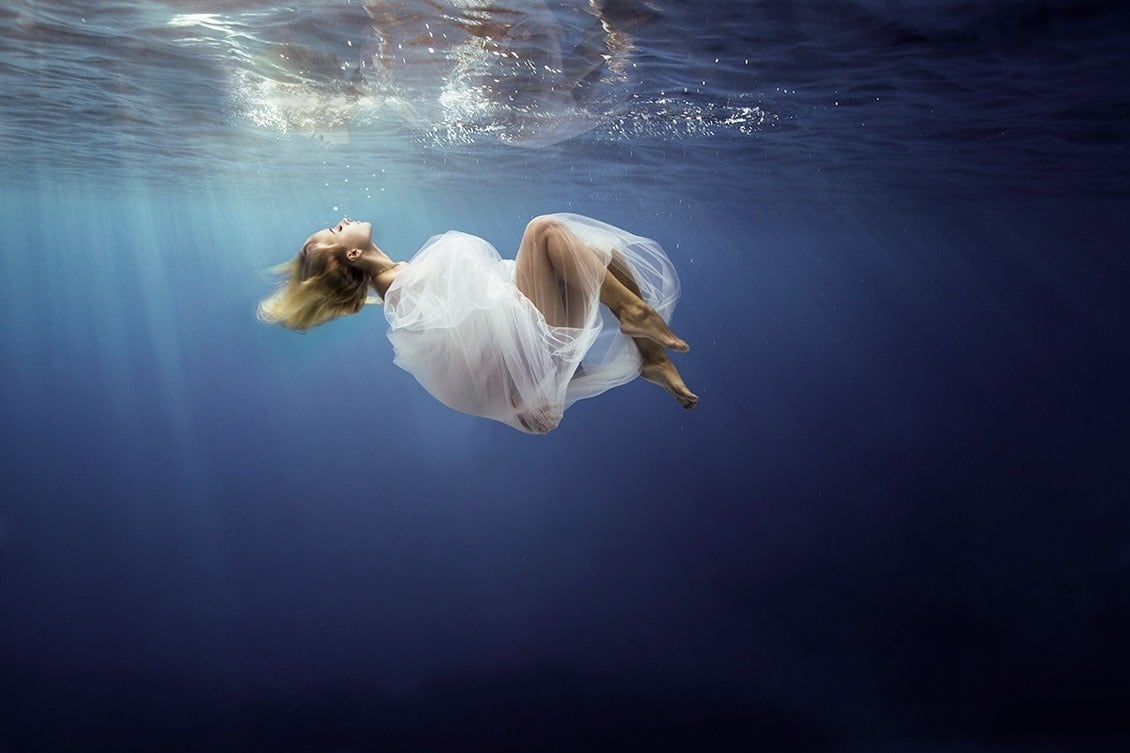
(893, 234)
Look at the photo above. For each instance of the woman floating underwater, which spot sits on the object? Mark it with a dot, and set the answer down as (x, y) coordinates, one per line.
(515, 341)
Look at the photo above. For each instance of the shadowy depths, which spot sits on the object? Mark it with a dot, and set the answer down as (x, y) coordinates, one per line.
(542, 709)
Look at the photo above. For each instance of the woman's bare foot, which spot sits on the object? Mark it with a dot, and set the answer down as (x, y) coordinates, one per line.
(641, 320)
(663, 372)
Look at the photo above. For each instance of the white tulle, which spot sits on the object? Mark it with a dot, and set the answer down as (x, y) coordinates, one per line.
(460, 325)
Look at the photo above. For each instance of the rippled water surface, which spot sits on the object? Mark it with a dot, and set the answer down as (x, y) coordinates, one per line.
(883, 93)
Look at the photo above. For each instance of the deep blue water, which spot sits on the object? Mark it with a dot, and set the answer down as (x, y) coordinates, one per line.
(897, 521)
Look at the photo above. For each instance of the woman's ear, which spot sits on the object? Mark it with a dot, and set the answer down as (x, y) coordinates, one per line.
(352, 255)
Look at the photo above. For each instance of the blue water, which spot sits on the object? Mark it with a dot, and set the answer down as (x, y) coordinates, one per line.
(897, 520)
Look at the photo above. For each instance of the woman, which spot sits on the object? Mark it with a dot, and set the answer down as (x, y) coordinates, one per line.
(516, 341)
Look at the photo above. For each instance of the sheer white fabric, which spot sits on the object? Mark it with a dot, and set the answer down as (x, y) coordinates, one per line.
(459, 323)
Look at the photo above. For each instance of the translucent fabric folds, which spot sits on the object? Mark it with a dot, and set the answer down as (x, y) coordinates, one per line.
(460, 324)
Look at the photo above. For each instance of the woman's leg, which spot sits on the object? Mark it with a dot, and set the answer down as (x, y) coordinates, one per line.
(554, 269)
(657, 367)
(621, 294)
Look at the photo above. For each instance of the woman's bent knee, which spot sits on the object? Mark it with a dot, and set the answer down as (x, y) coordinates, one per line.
(542, 226)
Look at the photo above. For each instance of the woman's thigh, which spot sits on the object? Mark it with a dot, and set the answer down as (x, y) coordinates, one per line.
(535, 275)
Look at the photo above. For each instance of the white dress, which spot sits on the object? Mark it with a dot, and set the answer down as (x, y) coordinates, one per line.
(460, 325)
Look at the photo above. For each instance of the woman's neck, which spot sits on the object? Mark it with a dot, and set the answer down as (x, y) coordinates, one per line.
(381, 269)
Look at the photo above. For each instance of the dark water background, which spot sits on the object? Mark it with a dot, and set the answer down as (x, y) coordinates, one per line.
(897, 521)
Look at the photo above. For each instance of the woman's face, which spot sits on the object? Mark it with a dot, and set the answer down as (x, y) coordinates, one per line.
(342, 237)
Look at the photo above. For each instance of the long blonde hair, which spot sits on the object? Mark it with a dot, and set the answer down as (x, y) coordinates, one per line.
(316, 289)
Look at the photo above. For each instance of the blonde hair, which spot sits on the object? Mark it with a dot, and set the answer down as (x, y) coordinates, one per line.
(317, 288)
